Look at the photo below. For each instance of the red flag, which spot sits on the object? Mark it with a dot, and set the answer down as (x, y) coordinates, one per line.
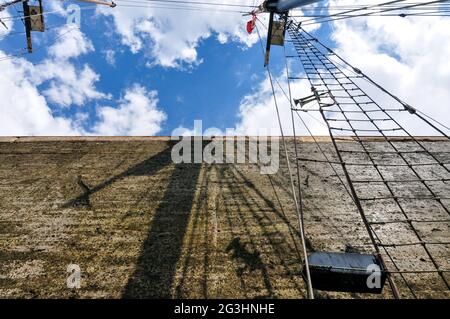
(251, 24)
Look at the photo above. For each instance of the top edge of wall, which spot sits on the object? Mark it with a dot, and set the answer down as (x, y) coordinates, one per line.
(17, 139)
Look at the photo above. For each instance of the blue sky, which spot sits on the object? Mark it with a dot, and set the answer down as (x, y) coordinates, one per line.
(210, 90)
(217, 70)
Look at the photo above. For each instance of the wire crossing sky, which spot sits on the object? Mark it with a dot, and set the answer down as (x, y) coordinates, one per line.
(149, 67)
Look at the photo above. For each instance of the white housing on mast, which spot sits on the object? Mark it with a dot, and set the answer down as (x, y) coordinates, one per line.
(281, 6)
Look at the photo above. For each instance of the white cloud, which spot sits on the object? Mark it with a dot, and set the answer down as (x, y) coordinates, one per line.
(7, 21)
(110, 57)
(408, 56)
(24, 106)
(57, 7)
(258, 115)
(73, 43)
(137, 114)
(24, 111)
(69, 84)
(174, 35)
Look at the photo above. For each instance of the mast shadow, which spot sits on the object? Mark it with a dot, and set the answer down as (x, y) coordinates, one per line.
(156, 265)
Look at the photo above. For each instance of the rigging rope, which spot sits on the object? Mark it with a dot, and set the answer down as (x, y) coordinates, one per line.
(336, 173)
(406, 106)
(337, 16)
(298, 202)
(338, 176)
(12, 56)
(197, 2)
(359, 9)
(312, 58)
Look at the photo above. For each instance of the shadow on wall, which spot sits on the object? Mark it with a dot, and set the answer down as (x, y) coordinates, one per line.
(155, 269)
(156, 266)
(161, 250)
(251, 260)
(255, 225)
(148, 167)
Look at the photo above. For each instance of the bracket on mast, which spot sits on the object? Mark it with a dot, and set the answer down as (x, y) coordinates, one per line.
(34, 17)
(275, 34)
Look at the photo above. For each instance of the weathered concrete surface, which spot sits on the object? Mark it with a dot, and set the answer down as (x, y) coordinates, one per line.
(140, 226)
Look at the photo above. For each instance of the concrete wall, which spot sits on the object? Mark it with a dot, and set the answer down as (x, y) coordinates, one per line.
(140, 226)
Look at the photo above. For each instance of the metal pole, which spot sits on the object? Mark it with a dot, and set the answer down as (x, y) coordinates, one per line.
(26, 13)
